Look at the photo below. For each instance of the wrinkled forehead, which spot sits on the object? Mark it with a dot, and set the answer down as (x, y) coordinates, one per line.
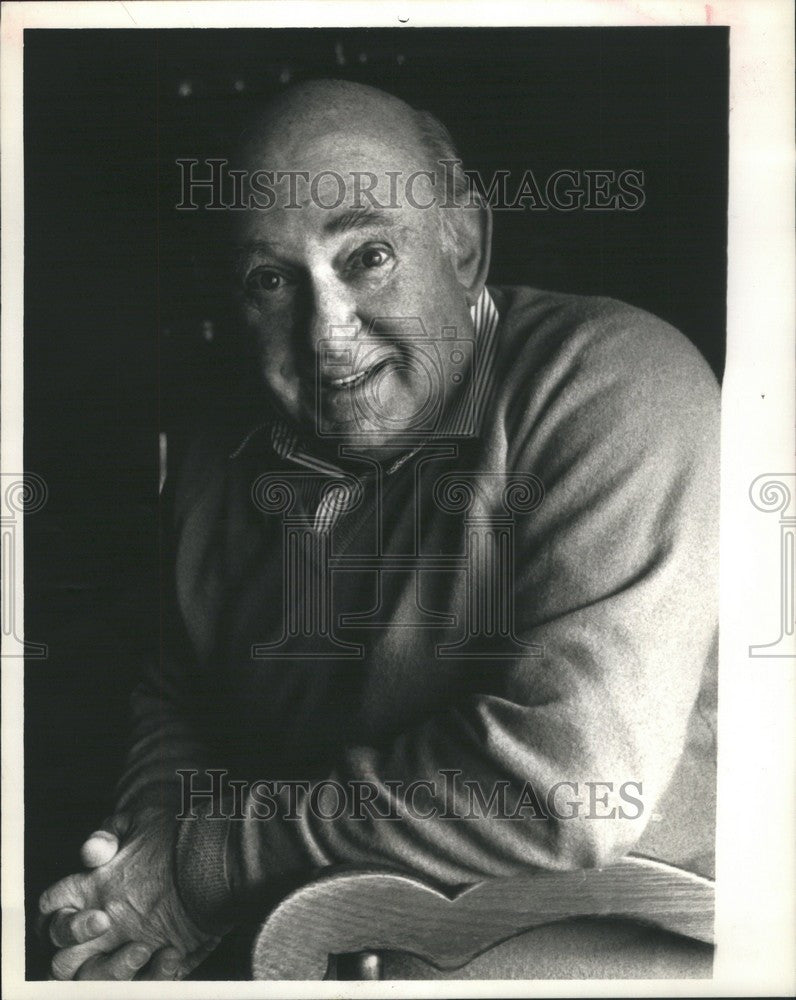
(339, 160)
(351, 168)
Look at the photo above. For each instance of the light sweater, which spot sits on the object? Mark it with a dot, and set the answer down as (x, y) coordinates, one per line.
(593, 662)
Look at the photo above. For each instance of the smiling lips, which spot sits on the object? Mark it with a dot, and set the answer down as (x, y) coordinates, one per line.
(351, 381)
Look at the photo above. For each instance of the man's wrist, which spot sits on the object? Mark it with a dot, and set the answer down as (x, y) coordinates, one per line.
(201, 877)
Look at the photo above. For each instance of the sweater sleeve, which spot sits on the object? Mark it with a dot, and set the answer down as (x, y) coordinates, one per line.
(614, 581)
(164, 736)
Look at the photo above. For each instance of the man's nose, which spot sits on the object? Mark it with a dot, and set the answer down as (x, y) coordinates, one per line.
(333, 313)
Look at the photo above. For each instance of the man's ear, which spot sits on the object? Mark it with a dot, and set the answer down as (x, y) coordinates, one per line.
(473, 227)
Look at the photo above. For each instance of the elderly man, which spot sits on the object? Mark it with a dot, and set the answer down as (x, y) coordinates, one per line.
(456, 568)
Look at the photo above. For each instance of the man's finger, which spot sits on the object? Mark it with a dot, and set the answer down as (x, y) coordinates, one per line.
(103, 844)
(43, 921)
(121, 964)
(164, 965)
(67, 961)
(99, 848)
(70, 927)
(69, 892)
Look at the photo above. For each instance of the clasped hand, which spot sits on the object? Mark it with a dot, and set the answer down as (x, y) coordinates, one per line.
(123, 918)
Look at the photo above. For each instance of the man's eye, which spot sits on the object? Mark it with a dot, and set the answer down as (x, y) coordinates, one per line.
(264, 281)
(371, 257)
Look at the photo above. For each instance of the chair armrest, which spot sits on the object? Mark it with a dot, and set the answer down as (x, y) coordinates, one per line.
(347, 911)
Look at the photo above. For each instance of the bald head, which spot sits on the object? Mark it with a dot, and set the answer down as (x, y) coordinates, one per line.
(311, 111)
(322, 129)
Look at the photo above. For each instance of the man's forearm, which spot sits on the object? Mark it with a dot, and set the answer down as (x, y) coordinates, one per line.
(467, 795)
(163, 742)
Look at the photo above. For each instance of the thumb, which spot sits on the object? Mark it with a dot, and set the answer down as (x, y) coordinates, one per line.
(103, 844)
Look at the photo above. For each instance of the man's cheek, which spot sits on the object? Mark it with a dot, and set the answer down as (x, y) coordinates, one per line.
(399, 294)
(281, 381)
(265, 316)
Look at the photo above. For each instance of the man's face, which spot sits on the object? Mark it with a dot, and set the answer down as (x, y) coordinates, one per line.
(335, 296)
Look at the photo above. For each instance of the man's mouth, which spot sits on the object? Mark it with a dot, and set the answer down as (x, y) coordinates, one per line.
(357, 378)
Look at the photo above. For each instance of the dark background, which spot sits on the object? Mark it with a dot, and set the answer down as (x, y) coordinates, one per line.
(126, 326)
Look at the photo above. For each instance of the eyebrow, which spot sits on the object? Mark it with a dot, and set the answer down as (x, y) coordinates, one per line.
(254, 246)
(352, 219)
(357, 218)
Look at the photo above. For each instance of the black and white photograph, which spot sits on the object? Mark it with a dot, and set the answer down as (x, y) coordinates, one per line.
(379, 413)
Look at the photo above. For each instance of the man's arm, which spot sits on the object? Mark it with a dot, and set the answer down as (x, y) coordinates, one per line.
(615, 579)
(164, 736)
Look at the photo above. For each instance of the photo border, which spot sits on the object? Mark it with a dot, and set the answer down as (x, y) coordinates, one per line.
(755, 823)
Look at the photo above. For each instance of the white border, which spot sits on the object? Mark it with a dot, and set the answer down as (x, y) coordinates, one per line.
(755, 904)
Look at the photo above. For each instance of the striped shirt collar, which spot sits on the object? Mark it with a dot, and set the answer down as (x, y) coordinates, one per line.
(462, 420)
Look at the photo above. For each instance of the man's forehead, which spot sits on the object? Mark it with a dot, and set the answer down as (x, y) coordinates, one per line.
(335, 187)
(346, 151)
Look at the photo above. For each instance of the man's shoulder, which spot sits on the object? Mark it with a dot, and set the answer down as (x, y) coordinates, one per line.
(596, 347)
(561, 324)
